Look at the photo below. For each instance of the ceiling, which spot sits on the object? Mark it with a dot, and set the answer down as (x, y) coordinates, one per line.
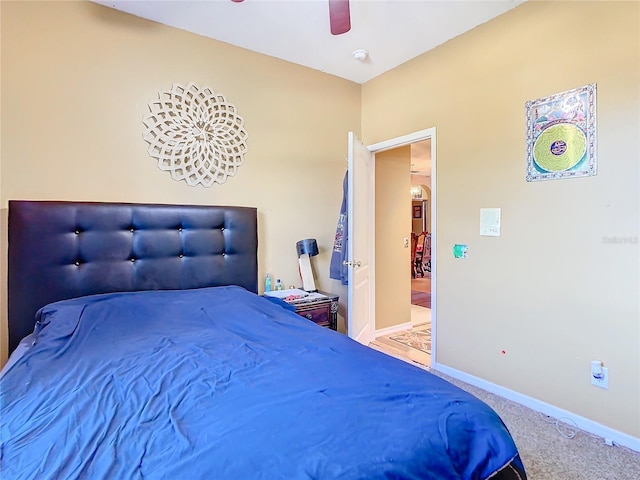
(421, 159)
(391, 31)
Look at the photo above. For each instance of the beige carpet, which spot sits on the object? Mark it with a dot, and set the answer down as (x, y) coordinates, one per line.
(545, 451)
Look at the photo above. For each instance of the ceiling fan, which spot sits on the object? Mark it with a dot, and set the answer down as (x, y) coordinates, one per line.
(339, 16)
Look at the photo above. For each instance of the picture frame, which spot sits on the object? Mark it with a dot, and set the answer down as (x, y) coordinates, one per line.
(561, 135)
(417, 211)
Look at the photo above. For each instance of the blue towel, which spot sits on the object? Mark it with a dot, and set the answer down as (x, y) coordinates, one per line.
(337, 270)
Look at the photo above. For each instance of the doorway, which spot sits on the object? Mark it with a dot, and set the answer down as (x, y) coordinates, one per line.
(421, 168)
(410, 139)
(420, 277)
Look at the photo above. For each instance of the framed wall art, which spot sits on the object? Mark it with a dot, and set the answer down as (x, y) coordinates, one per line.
(561, 135)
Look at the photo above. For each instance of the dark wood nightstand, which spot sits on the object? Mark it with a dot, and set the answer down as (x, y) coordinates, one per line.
(321, 310)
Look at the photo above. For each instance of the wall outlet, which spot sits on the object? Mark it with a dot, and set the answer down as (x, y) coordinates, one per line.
(603, 380)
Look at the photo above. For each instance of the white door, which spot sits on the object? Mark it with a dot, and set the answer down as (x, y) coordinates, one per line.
(360, 199)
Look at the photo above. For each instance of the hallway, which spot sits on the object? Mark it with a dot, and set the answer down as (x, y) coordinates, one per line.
(422, 284)
(421, 291)
(414, 344)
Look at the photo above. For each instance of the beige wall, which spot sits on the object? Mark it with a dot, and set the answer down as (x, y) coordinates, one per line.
(393, 260)
(553, 290)
(76, 81)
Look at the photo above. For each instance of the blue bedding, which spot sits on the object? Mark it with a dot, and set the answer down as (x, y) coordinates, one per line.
(219, 383)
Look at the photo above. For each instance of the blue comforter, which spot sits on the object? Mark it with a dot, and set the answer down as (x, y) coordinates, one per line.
(219, 383)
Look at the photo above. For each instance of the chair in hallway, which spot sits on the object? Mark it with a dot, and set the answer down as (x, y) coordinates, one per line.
(421, 254)
(414, 243)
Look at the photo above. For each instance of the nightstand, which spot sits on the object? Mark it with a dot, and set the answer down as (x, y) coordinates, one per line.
(320, 308)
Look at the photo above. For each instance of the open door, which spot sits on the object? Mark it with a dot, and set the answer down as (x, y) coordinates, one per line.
(360, 200)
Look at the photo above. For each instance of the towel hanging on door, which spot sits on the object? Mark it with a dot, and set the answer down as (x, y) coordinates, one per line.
(337, 270)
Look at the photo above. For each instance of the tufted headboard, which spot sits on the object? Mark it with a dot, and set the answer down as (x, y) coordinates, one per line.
(61, 250)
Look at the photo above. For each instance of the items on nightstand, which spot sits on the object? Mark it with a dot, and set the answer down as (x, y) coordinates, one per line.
(319, 307)
(279, 285)
(306, 249)
(289, 294)
(267, 283)
(285, 297)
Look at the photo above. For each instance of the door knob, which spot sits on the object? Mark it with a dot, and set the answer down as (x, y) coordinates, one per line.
(351, 264)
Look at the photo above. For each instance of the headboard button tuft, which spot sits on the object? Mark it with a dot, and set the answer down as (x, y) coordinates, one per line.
(77, 263)
(131, 229)
(77, 231)
(181, 255)
(132, 259)
(179, 229)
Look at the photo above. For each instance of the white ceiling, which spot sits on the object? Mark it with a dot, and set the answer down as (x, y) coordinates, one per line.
(421, 159)
(391, 31)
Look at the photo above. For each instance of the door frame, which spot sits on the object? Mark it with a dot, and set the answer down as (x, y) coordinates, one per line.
(429, 133)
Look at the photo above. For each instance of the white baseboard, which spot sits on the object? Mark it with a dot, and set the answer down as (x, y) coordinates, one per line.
(582, 423)
(403, 327)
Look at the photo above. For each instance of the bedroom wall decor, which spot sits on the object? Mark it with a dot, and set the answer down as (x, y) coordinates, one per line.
(195, 134)
(561, 135)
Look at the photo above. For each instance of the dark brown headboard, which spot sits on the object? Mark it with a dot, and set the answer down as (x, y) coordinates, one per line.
(61, 250)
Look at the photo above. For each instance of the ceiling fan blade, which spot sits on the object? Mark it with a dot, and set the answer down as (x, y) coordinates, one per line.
(339, 16)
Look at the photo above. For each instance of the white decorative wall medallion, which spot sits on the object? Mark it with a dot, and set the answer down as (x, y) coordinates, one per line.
(195, 134)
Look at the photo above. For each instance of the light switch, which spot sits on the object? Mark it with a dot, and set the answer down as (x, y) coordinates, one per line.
(490, 222)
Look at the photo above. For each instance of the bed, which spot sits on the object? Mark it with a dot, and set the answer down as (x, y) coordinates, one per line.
(141, 349)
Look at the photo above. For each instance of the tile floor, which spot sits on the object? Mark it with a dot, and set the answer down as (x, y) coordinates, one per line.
(420, 316)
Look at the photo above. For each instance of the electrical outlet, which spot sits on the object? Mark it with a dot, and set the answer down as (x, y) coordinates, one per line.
(406, 242)
(602, 379)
